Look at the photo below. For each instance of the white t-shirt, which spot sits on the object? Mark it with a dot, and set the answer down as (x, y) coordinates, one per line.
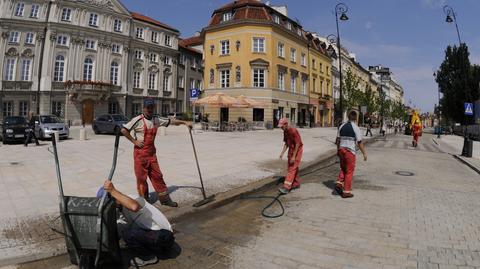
(136, 125)
(349, 135)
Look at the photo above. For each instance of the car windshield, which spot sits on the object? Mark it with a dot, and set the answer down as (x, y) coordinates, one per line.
(119, 118)
(49, 119)
(15, 120)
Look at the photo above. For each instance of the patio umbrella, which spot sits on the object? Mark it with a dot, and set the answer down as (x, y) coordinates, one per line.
(219, 99)
(245, 101)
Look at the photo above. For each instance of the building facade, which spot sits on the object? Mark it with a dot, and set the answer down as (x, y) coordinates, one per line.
(79, 59)
(190, 76)
(256, 50)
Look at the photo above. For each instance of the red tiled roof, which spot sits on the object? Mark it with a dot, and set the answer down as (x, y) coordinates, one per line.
(140, 17)
(191, 41)
(190, 49)
(239, 3)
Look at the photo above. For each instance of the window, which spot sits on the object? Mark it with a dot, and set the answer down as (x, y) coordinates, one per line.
(9, 69)
(66, 14)
(90, 44)
(167, 60)
(293, 55)
(227, 16)
(93, 21)
(225, 47)
(7, 109)
(293, 83)
(183, 59)
(276, 19)
(23, 108)
(289, 25)
(181, 82)
(326, 68)
(259, 78)
(88, 69)
(136, 79)
(199, 85)
(117, 25)
(26, 67)
(34, 11)
(112, 107)
(138, 54)
(192, 84)
(299, 31)
(304, 59)
(114, 68)
(304, 86)
(29, 38)
(281, 80)
(314, 81)
(14, 37)
(321, 87)
(168, 40)
(225, 78)
(152, 81)
(314, 64)
(19, 9)
(154, 37)
(153, 57)
(57, 108)
(258, 114)
(166, 82)
(321, 67)
(258, 44)
(136, 109)
(281, 50)
(139, 33)
(62, 40)
(194, 62)
(59, 70)
(116, 48)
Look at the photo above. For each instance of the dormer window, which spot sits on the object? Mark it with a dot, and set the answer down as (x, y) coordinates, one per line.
(299, 31)
(289, 25)
(276, 19)
(227, 16)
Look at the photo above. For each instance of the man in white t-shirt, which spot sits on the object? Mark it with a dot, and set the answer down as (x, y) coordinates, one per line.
(144, 129)
(348, 137)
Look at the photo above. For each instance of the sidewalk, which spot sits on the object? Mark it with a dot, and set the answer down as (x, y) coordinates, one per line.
(29, 191)
(453, 144)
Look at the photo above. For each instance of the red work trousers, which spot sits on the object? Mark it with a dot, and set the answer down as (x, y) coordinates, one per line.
(147, 166)
(292, 180)
(347, 167)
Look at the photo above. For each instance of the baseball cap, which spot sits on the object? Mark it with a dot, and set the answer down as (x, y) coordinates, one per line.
(148, 102)
(282, 122)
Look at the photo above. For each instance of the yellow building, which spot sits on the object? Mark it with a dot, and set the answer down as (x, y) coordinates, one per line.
(321, 92)
(255, 50)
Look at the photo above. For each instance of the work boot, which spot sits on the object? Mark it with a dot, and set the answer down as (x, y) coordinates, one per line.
(283, 190)
(346, 195)
(339, 188)
(167, 201)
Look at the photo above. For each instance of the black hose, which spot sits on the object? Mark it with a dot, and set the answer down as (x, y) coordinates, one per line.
(275, 199)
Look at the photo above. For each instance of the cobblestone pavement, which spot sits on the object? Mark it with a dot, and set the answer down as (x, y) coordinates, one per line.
(427, 220)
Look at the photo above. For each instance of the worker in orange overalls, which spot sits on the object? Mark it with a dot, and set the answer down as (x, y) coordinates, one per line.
(293, 142)
(416, 129)
(144, 128)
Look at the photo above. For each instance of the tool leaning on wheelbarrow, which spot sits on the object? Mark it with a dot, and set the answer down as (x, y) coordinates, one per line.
(89, 223)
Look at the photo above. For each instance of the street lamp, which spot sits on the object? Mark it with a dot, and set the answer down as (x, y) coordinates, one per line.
(450, 13)
(340, 9)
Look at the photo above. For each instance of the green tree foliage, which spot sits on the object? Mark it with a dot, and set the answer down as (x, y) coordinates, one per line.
(351, 93)
(369, 100)
(458, 81)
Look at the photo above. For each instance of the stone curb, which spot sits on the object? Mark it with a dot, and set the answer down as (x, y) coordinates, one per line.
(57, 247)
(467, 163)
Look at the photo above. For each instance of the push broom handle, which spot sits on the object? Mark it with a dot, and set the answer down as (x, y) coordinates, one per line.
(198, 166)
(57, 166)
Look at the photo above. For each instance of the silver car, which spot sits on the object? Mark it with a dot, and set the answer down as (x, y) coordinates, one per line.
(46, 125)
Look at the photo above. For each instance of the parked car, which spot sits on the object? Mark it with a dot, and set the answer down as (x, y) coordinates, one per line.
(108, 123)
(45, 125)
(14, 129)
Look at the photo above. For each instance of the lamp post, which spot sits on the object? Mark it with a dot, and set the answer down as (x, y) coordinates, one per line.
(467, 144)
(340, 10)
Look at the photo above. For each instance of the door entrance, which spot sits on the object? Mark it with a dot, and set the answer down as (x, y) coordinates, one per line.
(87, 111)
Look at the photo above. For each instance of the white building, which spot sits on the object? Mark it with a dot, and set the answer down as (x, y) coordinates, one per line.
(81, 58)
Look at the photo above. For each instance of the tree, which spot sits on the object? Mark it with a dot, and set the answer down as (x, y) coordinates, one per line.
(458, 81)
(368, 99)
(351, 93)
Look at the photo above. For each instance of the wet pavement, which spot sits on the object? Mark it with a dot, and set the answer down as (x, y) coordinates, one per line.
(427, 218)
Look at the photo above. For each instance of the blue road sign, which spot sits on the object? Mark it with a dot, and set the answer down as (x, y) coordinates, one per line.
(468, 109)
(194, 94)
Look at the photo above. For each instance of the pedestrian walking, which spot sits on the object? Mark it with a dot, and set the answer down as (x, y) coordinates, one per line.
(31, 130)
(144, 128)
(416, 129)
(369, 127)
(348, 138)
(293, 142)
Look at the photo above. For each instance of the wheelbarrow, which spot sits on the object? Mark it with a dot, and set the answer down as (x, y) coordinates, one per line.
(89, 223)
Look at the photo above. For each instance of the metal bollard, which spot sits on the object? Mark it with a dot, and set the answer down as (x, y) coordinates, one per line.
(56, 134)
(83, 134)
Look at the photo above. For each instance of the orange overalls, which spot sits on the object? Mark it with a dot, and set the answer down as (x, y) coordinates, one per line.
(416, 134)
(291, 137)
(146, 164)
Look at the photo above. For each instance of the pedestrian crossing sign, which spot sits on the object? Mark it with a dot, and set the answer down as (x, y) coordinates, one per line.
(468, 109)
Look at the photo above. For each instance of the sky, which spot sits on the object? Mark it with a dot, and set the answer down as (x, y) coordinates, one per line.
(408, 36)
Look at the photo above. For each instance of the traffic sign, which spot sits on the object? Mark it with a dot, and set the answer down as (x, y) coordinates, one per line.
(468, 109)
(363, 109)
(194, 94)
